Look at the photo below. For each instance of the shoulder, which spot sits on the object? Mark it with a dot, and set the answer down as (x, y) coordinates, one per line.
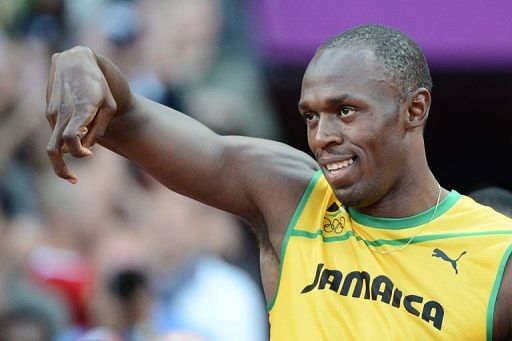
(251, 150)
(276, 175)
(274, 172)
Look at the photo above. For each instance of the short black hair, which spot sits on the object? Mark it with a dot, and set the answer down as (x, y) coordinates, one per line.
(401, 58)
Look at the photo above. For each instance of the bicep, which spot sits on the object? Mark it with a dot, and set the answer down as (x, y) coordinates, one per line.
(270, 174)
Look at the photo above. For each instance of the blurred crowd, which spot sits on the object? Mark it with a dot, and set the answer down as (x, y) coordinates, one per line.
(117, 256)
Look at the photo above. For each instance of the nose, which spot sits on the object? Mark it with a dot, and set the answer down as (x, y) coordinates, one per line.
(327, 132)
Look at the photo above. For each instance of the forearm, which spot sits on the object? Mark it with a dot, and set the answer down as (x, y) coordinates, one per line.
(178, 151)
(88, 100)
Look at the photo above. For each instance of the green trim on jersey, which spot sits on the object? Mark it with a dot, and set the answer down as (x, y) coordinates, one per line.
(406, 222)
(289, 229)
(394, 242)
(494, 293)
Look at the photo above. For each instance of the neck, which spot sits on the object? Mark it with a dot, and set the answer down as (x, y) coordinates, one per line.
(410, 196)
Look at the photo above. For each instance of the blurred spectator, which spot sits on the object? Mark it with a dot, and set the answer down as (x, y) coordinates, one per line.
(120, 299)
(25, 324)
(186, 54)
(63, 259)
(196, 290)
(498, 198)
(66, 272)
(22, 97)
(121, 261)
(130, 287)
(40, 19)
(19, 294)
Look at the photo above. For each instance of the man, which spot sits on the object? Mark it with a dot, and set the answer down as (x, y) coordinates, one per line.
(363, 243)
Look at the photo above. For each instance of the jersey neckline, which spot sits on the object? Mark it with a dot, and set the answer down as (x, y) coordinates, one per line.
(406, 222)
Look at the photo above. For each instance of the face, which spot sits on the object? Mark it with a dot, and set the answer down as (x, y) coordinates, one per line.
(354, 116)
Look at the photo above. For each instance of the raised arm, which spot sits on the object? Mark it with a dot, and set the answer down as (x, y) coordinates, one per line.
(89, 100)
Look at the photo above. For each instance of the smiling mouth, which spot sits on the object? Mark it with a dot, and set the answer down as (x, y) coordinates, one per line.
(337, 166)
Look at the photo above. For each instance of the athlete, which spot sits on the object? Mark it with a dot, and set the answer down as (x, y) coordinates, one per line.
(362, 242)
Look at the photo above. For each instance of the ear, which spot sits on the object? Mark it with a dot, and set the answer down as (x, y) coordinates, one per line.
(418, 108)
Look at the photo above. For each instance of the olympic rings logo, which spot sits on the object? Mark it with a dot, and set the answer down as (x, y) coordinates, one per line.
(336, 225)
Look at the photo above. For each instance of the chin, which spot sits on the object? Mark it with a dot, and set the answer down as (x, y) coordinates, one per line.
(349, 199)
(358, 195)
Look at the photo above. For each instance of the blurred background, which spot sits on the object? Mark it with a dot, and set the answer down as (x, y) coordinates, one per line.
(118, 257)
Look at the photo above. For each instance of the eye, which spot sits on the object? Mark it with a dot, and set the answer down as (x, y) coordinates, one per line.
(346, 111)
(310, 116)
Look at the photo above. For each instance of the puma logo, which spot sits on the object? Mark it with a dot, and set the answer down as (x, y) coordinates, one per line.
(440, 253)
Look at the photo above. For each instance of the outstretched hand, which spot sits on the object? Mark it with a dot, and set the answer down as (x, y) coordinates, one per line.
(79, 107)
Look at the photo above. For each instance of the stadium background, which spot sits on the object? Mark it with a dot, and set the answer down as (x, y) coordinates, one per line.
(119, 256)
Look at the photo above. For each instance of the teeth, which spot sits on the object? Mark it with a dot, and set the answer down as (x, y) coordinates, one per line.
(338, 165)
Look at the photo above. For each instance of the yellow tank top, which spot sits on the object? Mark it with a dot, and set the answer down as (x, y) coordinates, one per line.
(337, 283)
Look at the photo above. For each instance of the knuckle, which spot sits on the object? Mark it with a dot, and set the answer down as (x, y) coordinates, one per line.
(51, 150)
(50, 113)
(113, 106)
(69, 136)
(81, 50)
(96, 103)
(55, 56)
(71, 53)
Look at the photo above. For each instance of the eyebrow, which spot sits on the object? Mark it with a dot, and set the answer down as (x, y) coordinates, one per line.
(338, 99)
(330, 101)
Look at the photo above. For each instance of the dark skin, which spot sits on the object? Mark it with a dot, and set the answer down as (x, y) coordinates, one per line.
(354, 115)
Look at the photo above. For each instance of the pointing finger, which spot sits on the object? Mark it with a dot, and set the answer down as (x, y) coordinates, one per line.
(75, 131)
(55, 154)
(49, 86)
(51, 109)
(51, 115)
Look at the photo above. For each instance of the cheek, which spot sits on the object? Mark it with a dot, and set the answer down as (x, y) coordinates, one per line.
(310, 141)
(381, 149)
(387, 155)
